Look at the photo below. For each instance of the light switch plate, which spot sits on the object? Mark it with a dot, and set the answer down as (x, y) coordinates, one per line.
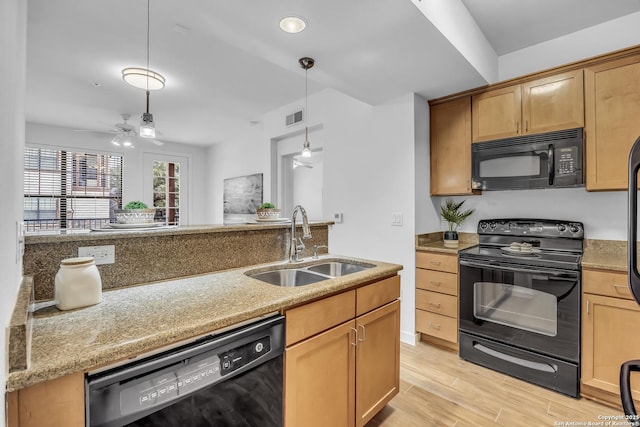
(102, 254)
(396, 218)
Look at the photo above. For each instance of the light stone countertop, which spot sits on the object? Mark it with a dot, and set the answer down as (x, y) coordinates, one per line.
(138, 319)
(82, 235)
(605, 255)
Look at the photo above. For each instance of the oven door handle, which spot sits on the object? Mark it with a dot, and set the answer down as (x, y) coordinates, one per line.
(515, 269)
(544, 367)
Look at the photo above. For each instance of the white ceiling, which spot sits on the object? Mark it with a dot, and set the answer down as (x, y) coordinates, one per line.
(227, 62)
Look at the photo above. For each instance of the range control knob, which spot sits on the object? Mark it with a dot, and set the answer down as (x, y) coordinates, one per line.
(483, 225)
(561, 227)
(494, 225)
(574, 228)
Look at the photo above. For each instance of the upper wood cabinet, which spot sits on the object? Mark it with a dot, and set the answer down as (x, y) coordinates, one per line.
(543, 105)
(450, 145)
(612, 109)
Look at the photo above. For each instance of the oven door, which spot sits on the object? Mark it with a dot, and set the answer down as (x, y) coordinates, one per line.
(536, 310)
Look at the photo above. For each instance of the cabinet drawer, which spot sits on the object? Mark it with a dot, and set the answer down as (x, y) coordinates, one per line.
(440, 262)
(437, 303)
(446, 283)
(437, 325)
(377, 294)
(310, 319)
(607, 283)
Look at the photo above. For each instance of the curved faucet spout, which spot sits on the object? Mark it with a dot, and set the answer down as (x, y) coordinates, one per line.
(297, 248)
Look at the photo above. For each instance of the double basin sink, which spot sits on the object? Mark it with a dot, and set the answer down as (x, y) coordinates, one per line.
(290, 277)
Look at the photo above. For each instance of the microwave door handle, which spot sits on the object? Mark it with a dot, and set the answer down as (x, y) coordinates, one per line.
(552, 170)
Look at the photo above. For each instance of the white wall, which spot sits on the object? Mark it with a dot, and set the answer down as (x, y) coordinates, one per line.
(600, 39)
(246, 154)
(604, 214)
(368, 174)
(54, 136)
(13, 24)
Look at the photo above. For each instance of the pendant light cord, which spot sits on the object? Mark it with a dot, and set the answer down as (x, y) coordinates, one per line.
(148, 37)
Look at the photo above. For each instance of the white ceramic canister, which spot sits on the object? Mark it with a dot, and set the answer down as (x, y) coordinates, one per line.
(77, 283)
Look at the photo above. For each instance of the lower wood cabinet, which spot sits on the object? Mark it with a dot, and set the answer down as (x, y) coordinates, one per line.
(55, 403)
(437, 298)
(346, 374)
(609, 323)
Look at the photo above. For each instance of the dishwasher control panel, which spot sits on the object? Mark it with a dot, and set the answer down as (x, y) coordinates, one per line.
(188, 376)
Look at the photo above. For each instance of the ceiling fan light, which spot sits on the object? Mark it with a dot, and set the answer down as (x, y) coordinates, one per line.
(140, 77)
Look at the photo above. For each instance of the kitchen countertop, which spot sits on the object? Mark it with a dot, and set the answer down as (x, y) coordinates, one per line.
(138, 319)
(81, 235)
(432, 242)
(605, 255)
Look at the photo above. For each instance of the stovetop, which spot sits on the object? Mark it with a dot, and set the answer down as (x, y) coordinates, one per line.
(554, 243)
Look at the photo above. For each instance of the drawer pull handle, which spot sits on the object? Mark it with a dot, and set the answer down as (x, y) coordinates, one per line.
(620, 286)
(434, 304)
(435, 262)
(435, 325)
(436, 283)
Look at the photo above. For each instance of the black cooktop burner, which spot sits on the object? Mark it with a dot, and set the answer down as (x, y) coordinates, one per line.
(554, 244)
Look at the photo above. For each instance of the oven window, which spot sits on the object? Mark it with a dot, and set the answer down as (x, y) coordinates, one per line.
(516, 306)
(511, 166)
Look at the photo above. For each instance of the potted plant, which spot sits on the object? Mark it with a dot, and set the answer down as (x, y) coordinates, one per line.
(267, 211)
(451, 212)
(135, 212)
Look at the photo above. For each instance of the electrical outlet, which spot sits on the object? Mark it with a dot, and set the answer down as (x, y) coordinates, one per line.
(19, 242)
(102, 254)
(337, 218)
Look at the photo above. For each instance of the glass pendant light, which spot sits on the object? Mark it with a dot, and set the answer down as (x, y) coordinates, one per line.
(306, 63)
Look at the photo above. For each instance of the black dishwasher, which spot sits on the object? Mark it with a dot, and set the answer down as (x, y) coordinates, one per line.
(232, 379)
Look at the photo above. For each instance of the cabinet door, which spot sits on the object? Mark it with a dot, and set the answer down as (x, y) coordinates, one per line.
(612, 108)
(320, 379)
(609, 338)
(450, 144)
(553, 103)
(496, 114)
(377, 361)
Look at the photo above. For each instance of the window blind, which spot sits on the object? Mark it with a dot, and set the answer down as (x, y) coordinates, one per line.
(70, 190)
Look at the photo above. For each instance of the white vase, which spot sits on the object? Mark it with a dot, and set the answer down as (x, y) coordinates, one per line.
(77, 283)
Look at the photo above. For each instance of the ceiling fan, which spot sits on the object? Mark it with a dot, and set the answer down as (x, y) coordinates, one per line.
(126, 133)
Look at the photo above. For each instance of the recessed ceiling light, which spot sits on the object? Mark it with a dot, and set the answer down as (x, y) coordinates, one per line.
(292, 24)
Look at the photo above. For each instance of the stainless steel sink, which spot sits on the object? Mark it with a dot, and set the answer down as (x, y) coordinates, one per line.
(288, 277)
(337, 269)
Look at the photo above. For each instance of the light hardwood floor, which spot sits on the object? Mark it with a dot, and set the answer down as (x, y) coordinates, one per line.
(437, 388)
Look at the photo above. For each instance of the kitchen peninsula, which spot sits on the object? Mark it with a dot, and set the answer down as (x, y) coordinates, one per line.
(134, 320)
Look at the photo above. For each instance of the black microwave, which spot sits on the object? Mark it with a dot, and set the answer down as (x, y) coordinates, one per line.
(547, 160)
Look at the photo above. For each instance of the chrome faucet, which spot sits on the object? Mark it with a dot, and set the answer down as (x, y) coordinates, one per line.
(297, 248)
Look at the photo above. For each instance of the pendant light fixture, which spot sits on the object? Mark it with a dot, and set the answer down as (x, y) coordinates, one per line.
(146, 79)
(306, 63)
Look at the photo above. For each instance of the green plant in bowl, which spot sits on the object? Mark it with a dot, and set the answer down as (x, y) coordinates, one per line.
(135, 212)
(267, 211)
